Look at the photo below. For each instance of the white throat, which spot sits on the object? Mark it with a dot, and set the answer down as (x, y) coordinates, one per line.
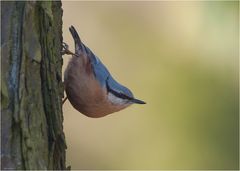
(116, 100)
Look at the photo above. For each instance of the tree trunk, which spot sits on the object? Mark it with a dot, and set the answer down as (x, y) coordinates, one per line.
(31, 86)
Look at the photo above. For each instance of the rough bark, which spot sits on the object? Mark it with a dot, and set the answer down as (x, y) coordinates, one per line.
(31, 86)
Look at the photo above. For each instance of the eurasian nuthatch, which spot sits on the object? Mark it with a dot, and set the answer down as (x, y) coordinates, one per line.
(90, 87)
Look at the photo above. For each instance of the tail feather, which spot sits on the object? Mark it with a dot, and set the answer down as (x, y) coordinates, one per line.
(79, 48)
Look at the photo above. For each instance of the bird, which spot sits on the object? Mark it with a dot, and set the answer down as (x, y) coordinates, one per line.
(89, 86)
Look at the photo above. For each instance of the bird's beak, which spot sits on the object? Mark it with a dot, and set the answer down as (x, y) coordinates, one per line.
(138, 101)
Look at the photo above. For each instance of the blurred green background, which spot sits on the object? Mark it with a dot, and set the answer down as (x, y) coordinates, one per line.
(179, 57)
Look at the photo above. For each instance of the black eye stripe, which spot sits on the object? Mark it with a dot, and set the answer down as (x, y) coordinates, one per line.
(120, 95)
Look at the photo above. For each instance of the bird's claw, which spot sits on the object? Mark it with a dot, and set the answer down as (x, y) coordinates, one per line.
(65, 49)
(64, 100)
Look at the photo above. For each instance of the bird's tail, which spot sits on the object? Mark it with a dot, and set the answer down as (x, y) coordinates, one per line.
(79, 47)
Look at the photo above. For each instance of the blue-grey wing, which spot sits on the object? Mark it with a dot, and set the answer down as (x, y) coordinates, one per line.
(103, 75)
(101, 72)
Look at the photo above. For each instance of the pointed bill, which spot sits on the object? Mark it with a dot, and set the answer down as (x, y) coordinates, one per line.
(138, 101)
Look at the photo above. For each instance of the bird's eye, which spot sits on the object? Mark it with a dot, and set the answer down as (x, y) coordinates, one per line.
(118, 94)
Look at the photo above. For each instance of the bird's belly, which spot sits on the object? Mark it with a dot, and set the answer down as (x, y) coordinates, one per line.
(90, 106)
(88, 97)
(82, 99)
(86, 94)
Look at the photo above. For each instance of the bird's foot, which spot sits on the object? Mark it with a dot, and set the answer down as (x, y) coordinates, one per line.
(65, 50)
(64, 100)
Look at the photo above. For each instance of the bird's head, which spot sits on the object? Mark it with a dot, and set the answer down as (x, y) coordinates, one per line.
(119, 94)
